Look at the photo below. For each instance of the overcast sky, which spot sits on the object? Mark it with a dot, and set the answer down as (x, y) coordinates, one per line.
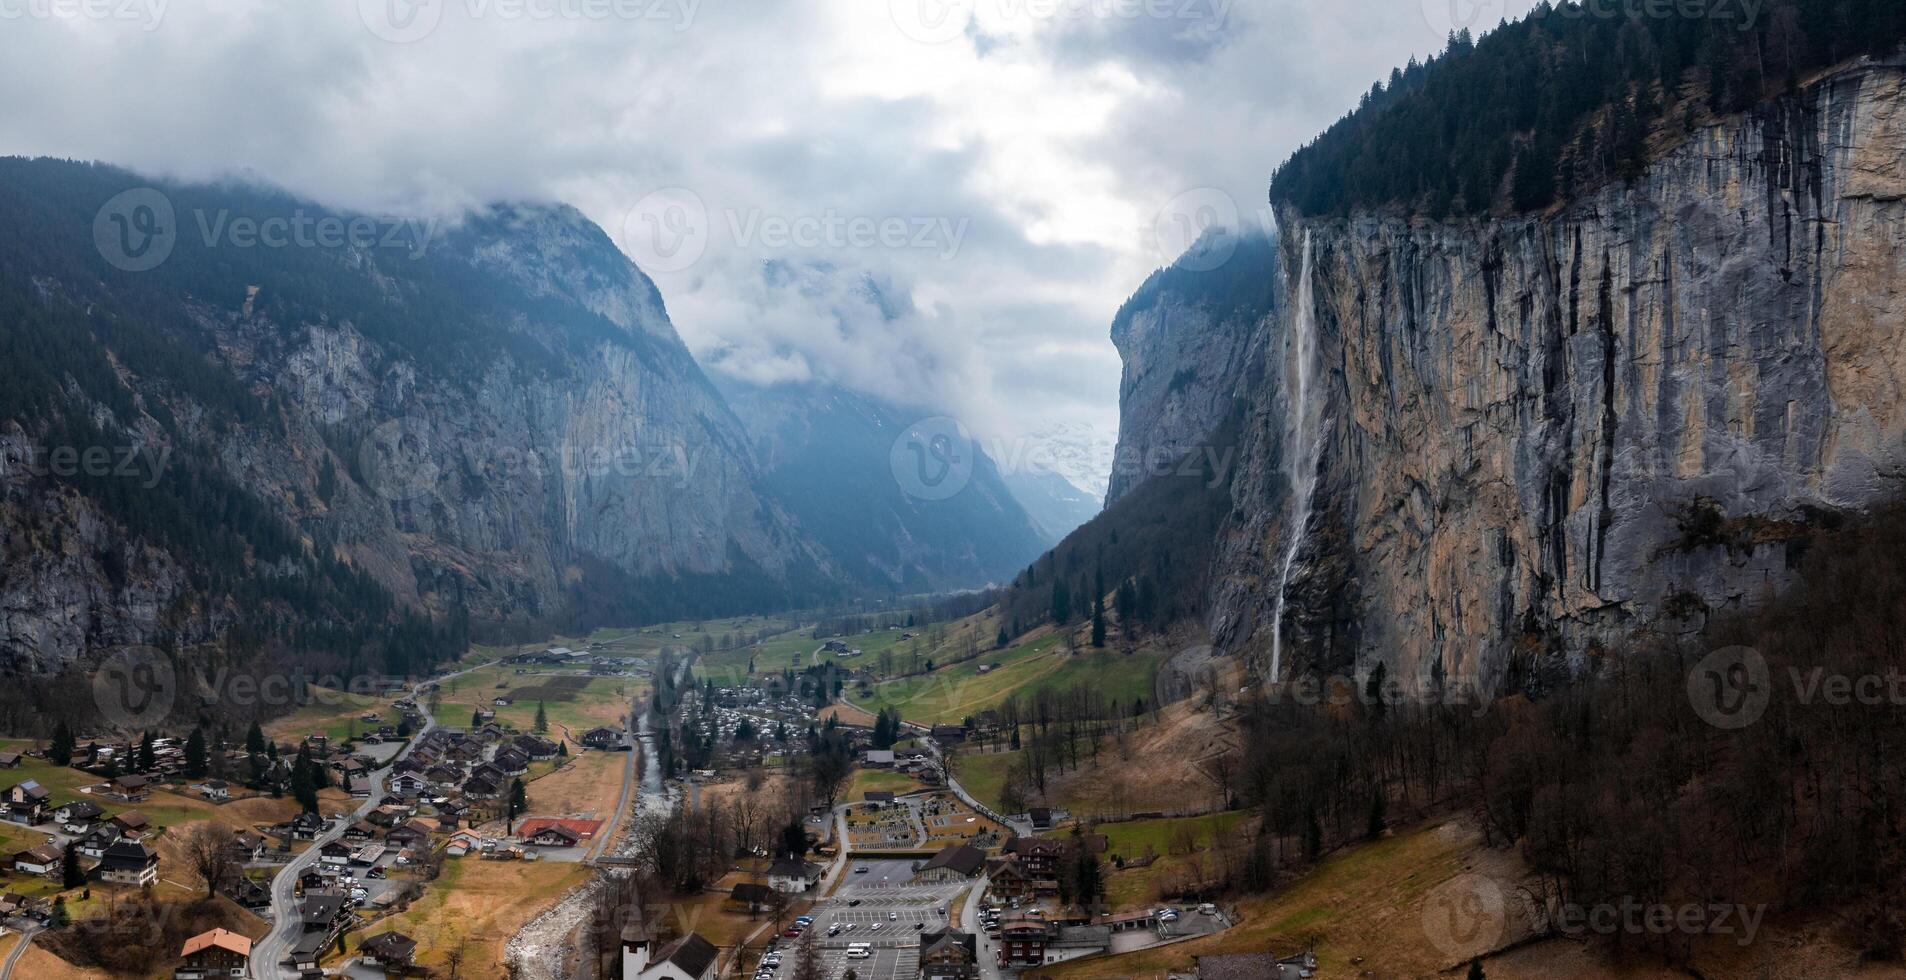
(940, 203)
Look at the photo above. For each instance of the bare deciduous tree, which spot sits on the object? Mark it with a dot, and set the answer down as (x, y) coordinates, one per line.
(208, 848)
(807, 959)
(453, 957)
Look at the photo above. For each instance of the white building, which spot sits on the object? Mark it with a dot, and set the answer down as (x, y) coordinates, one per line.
(794, 877)
(688, 958)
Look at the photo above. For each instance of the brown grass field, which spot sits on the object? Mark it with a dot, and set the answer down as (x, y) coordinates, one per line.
(480, 905)
(848, 714)
(590, 784)
(42, 965)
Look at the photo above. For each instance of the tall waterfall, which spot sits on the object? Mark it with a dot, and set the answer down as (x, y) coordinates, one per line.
(1300, 461)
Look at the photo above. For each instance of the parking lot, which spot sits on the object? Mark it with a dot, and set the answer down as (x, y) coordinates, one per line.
(883, 909)
(879, 875)
(360, 878)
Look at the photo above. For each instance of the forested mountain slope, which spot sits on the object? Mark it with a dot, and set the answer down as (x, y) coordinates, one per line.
(362, 435)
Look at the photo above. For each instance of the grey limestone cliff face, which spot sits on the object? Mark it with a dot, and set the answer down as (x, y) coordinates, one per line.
(1549, 433)
(491, 488)
(495, 480)
(1185, 340)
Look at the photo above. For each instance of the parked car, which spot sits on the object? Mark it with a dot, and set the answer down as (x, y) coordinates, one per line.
(893, 916)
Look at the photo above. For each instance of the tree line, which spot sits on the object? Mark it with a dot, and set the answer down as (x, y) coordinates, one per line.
(1564, 100)
(1622, 787)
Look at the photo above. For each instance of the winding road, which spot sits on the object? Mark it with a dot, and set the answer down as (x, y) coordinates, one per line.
(1022, 828)
(19, 951)
(268, 955)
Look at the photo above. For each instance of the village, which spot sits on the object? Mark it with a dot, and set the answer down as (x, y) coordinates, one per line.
(351, 839)
(932, 886)
(915, 878)
(309, 849)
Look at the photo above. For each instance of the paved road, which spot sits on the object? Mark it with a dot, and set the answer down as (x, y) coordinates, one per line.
(606, 835)
(1022, 828)
(919, 826)
(268, 954)
(583, 968)
(987, 946)
(19, 950)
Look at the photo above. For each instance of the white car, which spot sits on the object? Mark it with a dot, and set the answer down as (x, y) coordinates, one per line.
(893, 916)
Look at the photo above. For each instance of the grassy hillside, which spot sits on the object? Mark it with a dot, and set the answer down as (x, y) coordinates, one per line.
(1156, 766)
(951, 693)
(1361, 911)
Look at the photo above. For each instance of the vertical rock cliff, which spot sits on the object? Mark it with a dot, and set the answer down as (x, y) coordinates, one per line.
(1185, 340)
(1549, 432)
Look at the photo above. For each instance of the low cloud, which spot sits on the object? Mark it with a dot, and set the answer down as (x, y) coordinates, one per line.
(1036, 143)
